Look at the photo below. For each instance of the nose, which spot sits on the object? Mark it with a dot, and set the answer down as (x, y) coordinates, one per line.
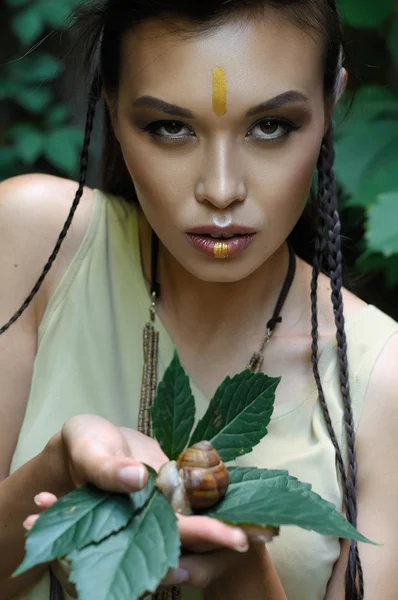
(221, 182)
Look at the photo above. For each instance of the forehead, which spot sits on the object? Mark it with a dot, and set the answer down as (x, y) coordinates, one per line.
(265, 56)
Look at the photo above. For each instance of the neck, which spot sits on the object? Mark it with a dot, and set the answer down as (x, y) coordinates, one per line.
(223, 310)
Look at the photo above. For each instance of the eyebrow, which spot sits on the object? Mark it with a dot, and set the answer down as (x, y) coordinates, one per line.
(290, 97)
(163, 106)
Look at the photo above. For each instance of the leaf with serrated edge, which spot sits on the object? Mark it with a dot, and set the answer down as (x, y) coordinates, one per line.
(132, 562)
(173, 411)
(84, 516)
(238, 414)
(265, 497)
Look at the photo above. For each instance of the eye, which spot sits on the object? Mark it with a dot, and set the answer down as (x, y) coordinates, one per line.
(271, 129)
(169, 130)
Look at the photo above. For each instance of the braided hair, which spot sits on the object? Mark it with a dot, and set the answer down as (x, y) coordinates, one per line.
(103, 32)
(328, 249)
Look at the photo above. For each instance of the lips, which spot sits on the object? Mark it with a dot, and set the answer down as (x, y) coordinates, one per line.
(222, 232)
(223, 247)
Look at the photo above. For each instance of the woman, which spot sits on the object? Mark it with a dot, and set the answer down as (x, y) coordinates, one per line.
(218, 115)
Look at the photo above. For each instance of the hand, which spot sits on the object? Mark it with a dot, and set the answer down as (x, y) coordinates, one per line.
(208, 563)
(95, 451)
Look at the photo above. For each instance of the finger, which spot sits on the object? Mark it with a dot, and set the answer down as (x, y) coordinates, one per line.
(98, 453)
(150, 451)
(44, 500)
(203, 534)
(112, 473)
(175, 577)
(260, 535)
(29, 522)
(205, 569)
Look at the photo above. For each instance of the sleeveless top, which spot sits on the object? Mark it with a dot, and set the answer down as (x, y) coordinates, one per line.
(89, 360)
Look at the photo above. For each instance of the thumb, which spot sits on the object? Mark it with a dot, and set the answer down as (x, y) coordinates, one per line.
(112, 473)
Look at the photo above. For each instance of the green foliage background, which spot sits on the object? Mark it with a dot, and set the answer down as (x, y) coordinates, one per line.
(39, 131)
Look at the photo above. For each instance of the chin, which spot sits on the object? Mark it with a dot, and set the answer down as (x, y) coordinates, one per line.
(221, 271)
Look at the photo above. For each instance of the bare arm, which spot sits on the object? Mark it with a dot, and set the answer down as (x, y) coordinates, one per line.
(377, 453)
(32, 210)
(48, 471)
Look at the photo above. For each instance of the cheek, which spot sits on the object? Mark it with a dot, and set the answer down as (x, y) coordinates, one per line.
(287, 180)
(159, 180)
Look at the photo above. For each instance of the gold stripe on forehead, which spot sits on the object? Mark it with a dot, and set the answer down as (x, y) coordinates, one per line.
(219, 91)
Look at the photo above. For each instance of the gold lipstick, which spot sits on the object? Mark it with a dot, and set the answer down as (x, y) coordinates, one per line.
(221, 250)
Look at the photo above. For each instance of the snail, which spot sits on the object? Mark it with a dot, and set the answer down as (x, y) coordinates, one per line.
(196, 481)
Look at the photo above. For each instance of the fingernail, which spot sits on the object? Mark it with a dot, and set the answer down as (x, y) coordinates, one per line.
(240, 541)
(178, 576)
(26, 526)
(29, 522)
(36, 500)
(132, 477)
(259, 539)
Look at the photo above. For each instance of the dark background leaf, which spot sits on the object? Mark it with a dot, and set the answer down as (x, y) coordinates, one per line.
(382, 232)
(365, 13)
(238, 414)
(173, 413)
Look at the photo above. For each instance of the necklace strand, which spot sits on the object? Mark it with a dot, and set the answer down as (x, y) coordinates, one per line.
(151, 358)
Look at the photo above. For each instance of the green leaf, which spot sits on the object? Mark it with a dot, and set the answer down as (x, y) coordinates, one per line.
(265, 497)
(382, 234)
(85, 515)
(376, 262)
(132, 562)
(357, 152)
(54, 13)
(63, 149)
(173, 412)
(28, 142)
(367, 15)
(35, 68)
(139, 499)
(27, 25)
(383, 180)
(9, 89)
(17, 3)
(8, 157)
(57, 115)
(238, 414)
(393, 39)
(35, 100)
(370, 103)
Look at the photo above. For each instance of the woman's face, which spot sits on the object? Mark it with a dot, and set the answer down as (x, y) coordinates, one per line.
(216, 160)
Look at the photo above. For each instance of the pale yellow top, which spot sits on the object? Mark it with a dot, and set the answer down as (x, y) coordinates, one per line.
(89, 360)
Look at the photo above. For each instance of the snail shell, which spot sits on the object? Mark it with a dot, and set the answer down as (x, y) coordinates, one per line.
(205, 476)
(196, 481)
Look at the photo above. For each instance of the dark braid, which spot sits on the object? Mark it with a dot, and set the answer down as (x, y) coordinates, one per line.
(95, 92)
(328, 232)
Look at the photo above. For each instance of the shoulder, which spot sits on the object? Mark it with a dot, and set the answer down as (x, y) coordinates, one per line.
(33, 209)
(377, 455)
(40, 200)
(381, 401)
(352, 305)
